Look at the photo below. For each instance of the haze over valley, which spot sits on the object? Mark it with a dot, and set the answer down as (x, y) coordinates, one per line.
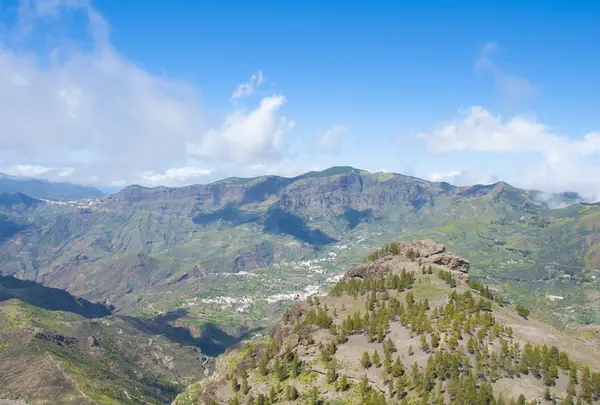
(252, 203)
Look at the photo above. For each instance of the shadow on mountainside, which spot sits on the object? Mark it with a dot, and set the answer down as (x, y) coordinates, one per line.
(280, 221)
(52, 299)
(355, 217)
(229, 214)
(212, 340)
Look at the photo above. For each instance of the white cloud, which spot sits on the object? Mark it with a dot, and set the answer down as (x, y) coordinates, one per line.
(246, 137)
(25, 170)
(247, 89)
(94, 110)
(461, 177)
(118, 183)
(66, 172)
(564, 163)
(81, 106)
(449, 177)
(332, 138)
(511, 86)
(480, 130)
(174, 176)
(278, 169)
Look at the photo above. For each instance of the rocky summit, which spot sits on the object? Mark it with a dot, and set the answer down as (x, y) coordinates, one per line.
(406, 327)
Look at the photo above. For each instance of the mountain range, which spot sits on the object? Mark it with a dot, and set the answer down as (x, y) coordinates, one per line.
(205, 266)
(45, 189)
(152, 249)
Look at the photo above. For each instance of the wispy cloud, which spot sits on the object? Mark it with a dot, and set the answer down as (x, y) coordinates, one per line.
(25, 170)
(331, 139)
(247, 89)
(174, 176)
(511, 86)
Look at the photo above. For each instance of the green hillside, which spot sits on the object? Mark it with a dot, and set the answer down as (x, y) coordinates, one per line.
(402, 330)
(51, 356)
(236, 253)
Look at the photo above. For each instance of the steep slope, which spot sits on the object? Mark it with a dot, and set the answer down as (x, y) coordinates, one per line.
(246, 246)
(51, 299)
(406, 328)
(51, 356)
(45, 189)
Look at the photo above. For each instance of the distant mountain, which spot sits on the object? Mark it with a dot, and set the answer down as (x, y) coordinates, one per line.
(46, 189)
(246, 245)
(205, 266)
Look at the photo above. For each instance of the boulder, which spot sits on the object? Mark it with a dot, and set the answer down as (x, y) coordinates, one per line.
(453, 262)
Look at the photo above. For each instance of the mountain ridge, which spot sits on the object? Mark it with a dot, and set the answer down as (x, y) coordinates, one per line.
(136, 247)
(38, 188)
(313, 354)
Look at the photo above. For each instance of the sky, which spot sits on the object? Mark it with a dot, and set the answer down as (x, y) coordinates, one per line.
(111, 93)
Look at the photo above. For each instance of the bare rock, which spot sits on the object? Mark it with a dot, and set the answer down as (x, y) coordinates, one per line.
(451, 261)
(422, 248)
(56, 338)
(420, 251)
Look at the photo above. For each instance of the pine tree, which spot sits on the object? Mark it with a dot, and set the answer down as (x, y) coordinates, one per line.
(400, 386)
(380, 333)
(587, 388)
(424, 344)
(262, 366)
(435, 341)
(376, 359)
(397, 367)
(245, 386)
(314, 397)
(343, 384)
(365, 361)
(291, 393)
(280, 370)
(331, 374)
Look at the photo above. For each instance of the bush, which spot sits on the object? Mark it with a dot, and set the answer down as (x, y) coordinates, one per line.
(523, 311)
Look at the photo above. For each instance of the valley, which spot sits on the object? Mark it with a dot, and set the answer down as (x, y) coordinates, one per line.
(198, 269)
(400, 329)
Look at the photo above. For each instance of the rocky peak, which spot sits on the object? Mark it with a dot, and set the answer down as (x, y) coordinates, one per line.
(395, 256)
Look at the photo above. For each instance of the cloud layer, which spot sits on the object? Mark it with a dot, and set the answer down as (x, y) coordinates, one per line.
(566, 163)
(83, 111)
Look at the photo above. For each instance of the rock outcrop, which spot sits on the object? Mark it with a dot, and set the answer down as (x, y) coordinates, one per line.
(419, 251)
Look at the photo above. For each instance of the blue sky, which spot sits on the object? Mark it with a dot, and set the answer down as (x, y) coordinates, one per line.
(112, 93)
